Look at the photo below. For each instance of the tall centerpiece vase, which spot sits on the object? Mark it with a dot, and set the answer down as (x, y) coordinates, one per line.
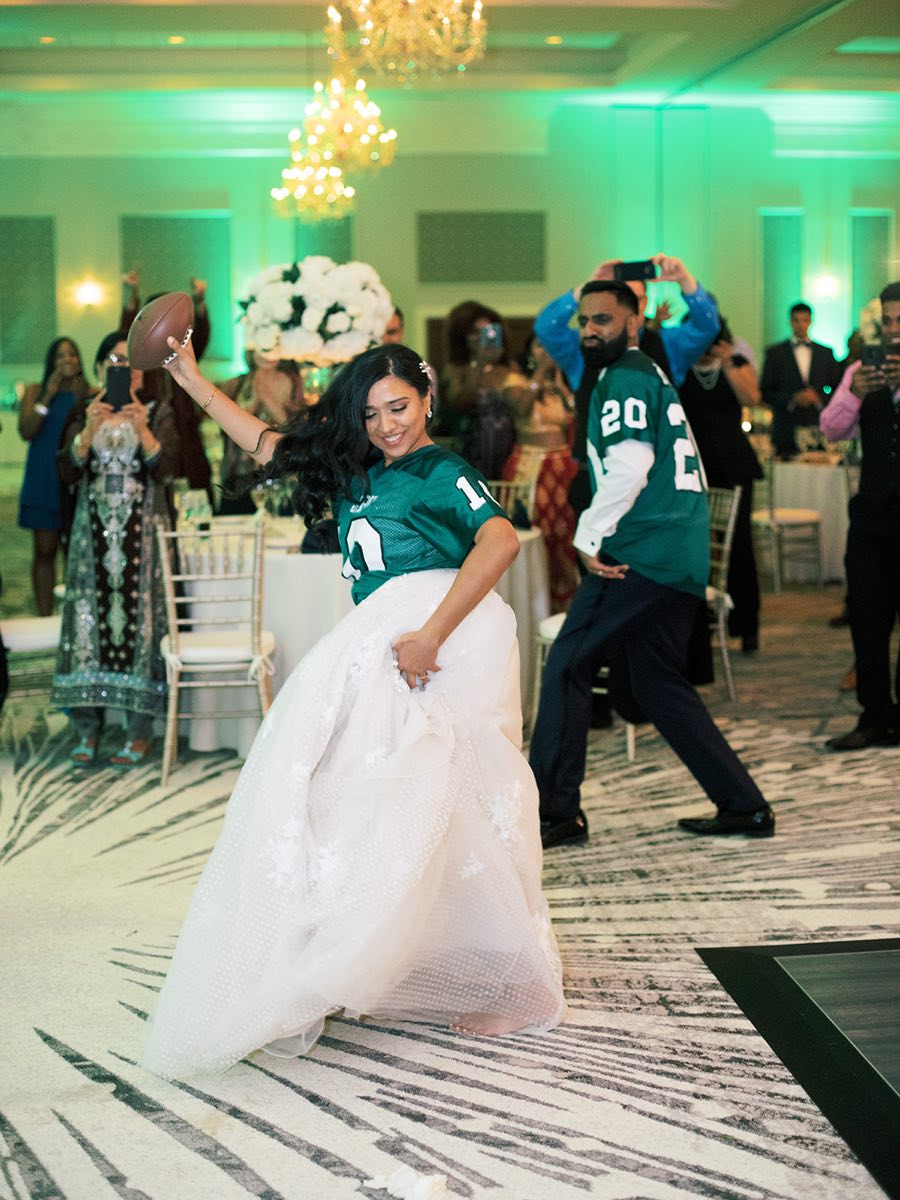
(316, 380)
(316, 313)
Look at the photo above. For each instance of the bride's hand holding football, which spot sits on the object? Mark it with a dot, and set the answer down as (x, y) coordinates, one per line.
(183, 367)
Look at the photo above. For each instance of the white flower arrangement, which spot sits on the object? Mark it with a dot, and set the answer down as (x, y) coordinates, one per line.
(315, 311)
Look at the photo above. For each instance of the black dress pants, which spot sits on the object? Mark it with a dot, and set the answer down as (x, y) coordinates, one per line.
(873, 605)
(653, 623)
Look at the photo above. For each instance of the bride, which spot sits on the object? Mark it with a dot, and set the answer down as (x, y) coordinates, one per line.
(380, 854)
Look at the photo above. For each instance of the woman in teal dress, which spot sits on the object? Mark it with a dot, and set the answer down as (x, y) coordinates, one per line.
(43, 413)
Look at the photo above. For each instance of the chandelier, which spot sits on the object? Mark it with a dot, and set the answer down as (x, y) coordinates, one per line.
(408, 38)
(343, 123)
(312, 186)
(342, 134)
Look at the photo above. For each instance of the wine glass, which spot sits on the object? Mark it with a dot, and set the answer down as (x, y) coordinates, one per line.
(259, 495)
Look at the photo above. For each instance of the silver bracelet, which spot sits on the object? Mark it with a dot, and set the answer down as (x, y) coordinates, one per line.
(41, 409)
(209, 400)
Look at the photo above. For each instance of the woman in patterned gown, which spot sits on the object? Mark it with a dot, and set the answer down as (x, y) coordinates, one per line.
(544, 407)
(114, 610)
(380, 853)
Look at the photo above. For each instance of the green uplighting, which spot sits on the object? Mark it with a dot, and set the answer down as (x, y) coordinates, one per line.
(871, 45)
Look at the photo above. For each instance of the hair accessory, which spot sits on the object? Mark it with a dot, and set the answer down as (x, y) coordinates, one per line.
(423, 367)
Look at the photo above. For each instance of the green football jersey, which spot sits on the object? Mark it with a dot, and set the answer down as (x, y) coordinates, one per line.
(418, 514)
(665, 534)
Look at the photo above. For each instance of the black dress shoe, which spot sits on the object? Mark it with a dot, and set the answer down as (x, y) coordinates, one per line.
(760, 823)
(749, 645)
(861, 738)
(555, 833)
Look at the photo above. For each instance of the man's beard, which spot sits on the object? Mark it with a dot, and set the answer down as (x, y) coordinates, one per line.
(604, 352)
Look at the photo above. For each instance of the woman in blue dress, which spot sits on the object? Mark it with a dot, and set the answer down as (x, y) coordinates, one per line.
(42, 416)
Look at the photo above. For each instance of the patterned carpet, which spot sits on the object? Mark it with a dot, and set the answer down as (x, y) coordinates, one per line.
(657, 1087)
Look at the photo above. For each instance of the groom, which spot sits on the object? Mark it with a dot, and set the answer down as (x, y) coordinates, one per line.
(649, 515)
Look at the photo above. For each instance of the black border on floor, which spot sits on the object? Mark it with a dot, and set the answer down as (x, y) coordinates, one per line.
(856, 1099)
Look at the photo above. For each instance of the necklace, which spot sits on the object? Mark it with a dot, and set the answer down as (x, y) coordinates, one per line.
(707, 377)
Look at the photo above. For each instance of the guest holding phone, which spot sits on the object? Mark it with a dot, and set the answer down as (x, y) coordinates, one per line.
(867, 403)
(474, 409)
(42, 415)
(116, 455)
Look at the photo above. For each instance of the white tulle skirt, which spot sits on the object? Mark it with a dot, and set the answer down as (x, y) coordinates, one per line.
(380, 853)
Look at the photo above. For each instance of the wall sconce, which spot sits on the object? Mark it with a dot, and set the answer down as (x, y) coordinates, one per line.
(89, 293)
(825, 286)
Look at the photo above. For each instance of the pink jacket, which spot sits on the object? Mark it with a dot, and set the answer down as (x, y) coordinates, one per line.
(839, 419)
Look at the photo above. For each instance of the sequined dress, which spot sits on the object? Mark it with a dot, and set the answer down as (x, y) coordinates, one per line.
(114, 610)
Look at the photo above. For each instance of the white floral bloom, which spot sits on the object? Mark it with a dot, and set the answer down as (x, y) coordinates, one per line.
(357, 303)
(277, 299)
(264, 337)
(314, 267)
(346, 345)
(255, 314)
(312, 318)
(298, 343)
(338, 322)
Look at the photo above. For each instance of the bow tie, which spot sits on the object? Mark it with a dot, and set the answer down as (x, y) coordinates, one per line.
(801, 342)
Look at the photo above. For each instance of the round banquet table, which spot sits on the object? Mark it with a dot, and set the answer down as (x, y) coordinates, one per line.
(823, 487)
(305, 596)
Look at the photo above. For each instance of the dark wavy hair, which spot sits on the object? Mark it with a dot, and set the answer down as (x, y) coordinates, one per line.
(50, 357)
(326, 447)
(460, 323)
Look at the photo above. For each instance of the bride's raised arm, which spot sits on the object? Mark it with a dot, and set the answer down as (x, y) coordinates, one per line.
(245, 430)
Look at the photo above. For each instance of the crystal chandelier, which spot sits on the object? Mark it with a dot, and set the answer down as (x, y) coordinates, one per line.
(408, 38)
(345, 125)
(342, 134)
(312, 186)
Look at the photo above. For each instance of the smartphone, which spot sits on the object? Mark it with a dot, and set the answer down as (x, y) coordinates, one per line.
(872, 354)
(491, 336)
(118, 387)
(624, 271)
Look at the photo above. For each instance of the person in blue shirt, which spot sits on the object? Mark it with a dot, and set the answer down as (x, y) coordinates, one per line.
(681, 345)
(576, 351)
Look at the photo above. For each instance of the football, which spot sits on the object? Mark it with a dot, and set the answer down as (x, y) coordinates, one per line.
(171, 315)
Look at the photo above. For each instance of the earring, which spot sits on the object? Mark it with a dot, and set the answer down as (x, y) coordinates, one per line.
(428, 415)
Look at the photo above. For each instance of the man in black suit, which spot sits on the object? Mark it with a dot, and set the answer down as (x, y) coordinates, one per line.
(797, 376)
(867, 402)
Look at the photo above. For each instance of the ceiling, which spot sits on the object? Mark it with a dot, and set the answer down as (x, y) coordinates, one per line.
(660, 50)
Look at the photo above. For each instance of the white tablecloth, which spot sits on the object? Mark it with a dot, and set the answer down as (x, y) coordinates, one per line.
(305, 596)
(824, 488)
